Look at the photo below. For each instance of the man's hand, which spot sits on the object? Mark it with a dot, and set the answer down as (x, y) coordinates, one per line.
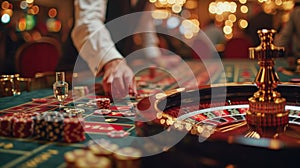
(118, 79)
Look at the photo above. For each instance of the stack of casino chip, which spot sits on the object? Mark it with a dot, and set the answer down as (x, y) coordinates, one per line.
(49, 126)
(54, 122)
(5, 125)
(19, 125)
(73, 129)
(93, 161)
(81, 158)
(103, 103)
(71, 156)
(127, 157)
(39, 127)
(22, 127)
(103, 148)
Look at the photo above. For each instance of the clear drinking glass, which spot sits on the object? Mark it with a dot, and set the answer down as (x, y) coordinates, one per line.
(60, 88)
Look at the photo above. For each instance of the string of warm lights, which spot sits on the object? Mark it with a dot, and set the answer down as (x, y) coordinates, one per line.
(227, 12)
(171, 10)
(231, 12)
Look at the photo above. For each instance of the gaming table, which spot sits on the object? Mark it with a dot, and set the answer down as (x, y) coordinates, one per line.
(31, 152)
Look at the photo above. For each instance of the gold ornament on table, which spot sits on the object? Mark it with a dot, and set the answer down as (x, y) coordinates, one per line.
(266, 114)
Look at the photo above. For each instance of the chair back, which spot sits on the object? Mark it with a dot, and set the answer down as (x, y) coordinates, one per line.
(237, 48)
(38, 56)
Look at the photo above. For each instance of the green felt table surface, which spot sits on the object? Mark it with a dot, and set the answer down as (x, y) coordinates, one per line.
(27, 152)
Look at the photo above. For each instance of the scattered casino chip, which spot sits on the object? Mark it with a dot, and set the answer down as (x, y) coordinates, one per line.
(39, 100)
(74, 110)
(102, 111)
(295, 80)
(117, 134)
(121, 108)
(91, 103)
(111, 120)
(128, 113)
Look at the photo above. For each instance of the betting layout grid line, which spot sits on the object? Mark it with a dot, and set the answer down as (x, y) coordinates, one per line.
(13, 148)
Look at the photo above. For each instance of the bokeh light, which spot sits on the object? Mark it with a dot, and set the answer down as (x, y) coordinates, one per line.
(5, 5)
(244, 9)
(5, 18)
(52, 12)
(173, 22)
(243, 23)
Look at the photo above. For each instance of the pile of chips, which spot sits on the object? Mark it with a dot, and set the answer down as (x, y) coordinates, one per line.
(50, 126)
(19, 125)
(103, 103)
(102, 153)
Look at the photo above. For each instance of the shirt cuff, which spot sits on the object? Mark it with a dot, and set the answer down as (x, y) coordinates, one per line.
(96, 61)
(111, 55)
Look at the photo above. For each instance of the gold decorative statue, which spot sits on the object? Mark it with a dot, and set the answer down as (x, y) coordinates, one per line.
(266, 115)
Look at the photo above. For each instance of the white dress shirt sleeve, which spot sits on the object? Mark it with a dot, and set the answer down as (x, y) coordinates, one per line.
(93, 40)
(90, 36)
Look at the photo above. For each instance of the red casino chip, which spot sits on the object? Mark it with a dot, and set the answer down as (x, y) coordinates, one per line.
(5, 125)
(102, 111)
(117, 134)
(103, 103)
(39, 100)
(295, 80)
(22, 127)
(74, 130)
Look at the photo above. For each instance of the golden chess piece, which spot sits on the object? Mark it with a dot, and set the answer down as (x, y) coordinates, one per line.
(266, 114)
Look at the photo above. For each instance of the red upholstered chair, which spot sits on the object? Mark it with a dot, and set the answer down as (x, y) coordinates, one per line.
(38, 59)
(38, 56)
(237, 48)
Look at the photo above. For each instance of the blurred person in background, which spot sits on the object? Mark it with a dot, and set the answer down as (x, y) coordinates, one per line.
(214, 32)
(260, 20)
(289, 36)
(95, 43)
